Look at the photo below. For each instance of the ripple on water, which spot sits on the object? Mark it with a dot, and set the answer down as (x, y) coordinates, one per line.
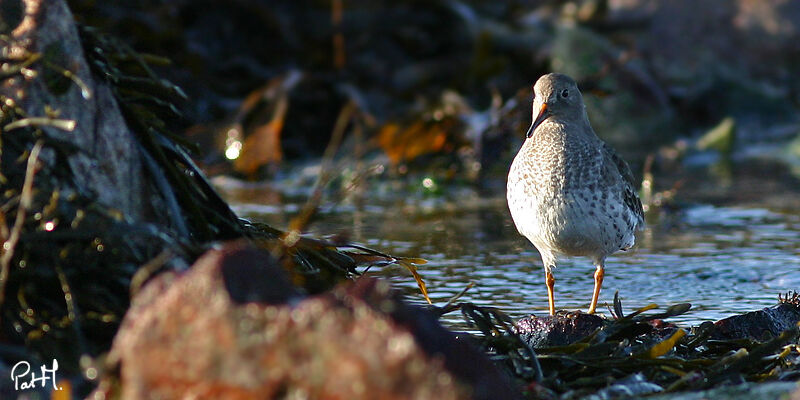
(726, 261)
(723, 260)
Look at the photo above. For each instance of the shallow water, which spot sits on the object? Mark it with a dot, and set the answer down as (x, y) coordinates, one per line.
(724, 259)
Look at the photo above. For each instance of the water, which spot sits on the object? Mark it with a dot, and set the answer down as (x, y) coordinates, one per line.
(724, 259)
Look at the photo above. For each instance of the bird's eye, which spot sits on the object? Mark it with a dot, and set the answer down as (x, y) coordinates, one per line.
(565, 93)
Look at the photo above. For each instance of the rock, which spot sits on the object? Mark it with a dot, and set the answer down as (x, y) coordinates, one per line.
(557, 330)
(243, 271)
(186, 336)
(758, 325)
(108, 163)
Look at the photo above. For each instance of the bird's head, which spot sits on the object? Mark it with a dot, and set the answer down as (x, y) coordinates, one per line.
(556, 96)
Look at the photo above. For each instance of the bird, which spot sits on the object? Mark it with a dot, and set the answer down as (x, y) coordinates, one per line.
(569, 192)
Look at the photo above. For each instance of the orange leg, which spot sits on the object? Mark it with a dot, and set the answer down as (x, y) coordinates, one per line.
(598, 282)
(550, 283)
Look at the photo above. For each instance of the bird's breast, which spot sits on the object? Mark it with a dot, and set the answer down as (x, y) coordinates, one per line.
(550, 165)
(559, 199)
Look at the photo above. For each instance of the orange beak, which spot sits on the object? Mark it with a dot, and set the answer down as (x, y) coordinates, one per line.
(544, 113)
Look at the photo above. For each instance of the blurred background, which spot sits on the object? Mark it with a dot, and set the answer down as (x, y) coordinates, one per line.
(408, 113)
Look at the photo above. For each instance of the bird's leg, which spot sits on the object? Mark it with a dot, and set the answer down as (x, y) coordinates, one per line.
(598, 282)
(551, 281)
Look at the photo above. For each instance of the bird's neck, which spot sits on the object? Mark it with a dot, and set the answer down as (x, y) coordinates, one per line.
(559, 130)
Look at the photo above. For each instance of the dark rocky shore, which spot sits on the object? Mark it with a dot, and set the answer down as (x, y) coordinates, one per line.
(221, 330)
(121, 261)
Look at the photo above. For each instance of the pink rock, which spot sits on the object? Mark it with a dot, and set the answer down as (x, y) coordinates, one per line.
(185, 337)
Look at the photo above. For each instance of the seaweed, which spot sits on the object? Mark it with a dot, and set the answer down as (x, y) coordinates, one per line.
(147, 103)
(67, 260)
(639, 353)
(70, 264)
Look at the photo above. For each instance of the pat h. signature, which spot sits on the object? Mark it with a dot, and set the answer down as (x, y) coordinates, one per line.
(25, 379)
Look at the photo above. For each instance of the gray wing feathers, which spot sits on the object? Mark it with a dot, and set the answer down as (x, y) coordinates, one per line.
(630, 197)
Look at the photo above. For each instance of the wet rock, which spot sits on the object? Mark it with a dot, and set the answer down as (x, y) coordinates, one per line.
(243, 271)
(209, 333)
(758, 325)
(108, 161)
(557, 330)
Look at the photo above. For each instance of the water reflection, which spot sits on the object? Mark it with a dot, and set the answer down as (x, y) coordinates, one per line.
(724, 259)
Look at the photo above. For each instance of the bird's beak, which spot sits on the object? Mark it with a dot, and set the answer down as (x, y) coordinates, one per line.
(544, 113)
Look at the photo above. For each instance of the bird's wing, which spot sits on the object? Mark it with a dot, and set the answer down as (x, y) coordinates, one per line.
(630, 197)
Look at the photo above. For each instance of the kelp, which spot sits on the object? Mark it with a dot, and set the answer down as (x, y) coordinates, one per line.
(639, 351)
(67, 260)
(71, 263)
(500, 340)
(147, 103)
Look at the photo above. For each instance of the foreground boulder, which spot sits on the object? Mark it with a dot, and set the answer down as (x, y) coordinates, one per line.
(233, 327)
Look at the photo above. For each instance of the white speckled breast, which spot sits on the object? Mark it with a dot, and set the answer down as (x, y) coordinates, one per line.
(566, 195)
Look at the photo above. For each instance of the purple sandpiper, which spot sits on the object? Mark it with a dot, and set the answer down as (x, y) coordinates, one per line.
(568, 191)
